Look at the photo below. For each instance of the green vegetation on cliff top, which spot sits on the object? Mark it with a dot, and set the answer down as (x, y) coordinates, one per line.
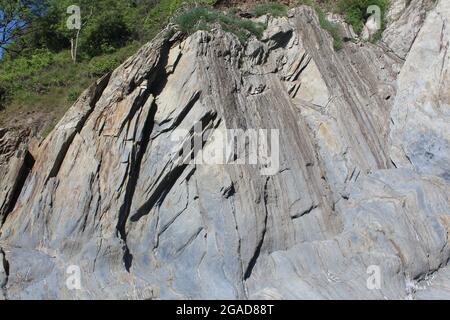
(37, 73)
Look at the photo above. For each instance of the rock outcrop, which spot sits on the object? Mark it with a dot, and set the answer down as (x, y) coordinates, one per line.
(361, 183)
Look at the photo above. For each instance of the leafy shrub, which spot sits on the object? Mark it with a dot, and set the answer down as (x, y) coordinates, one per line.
(202, 18)
(162, 11)
(275, 9)
(16, 73)
(355, 11)
(105, 36)
(101, 65)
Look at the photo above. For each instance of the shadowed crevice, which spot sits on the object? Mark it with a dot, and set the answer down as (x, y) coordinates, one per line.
(24, 171)
(155, 88)
(253, 260)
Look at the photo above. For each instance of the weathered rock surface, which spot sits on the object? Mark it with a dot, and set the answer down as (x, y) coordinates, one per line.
(15, 163)
(435, 286)
(393, 218)
(421, 114)
(4, 272)
(405, 19)
(107, 193)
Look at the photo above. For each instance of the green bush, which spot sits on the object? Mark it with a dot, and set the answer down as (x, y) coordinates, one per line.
(158, 16)
(202, 18)
(99, 66)
(24, 67)
(16, 74)
(355, 11)
(274, 9)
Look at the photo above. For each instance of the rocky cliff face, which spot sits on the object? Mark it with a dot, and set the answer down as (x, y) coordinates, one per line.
(362, 182)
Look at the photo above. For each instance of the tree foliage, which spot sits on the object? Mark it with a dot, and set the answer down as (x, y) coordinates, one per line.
(107, 24)
(37, 72)
(16, 19)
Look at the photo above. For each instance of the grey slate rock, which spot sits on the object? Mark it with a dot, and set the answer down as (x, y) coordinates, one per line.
(108, 195)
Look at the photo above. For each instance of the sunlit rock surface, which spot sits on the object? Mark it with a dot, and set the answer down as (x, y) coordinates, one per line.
(362, 182)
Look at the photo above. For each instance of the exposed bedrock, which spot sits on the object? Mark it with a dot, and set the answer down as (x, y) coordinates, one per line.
(362, 180)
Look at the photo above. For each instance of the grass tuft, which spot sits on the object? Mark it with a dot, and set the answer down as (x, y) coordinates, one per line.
(332, 28)
(203, 18)
(274, 9)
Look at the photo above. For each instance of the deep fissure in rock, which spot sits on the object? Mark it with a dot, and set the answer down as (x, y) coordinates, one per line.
(24, 171)
(253, 260)
(154, 88)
